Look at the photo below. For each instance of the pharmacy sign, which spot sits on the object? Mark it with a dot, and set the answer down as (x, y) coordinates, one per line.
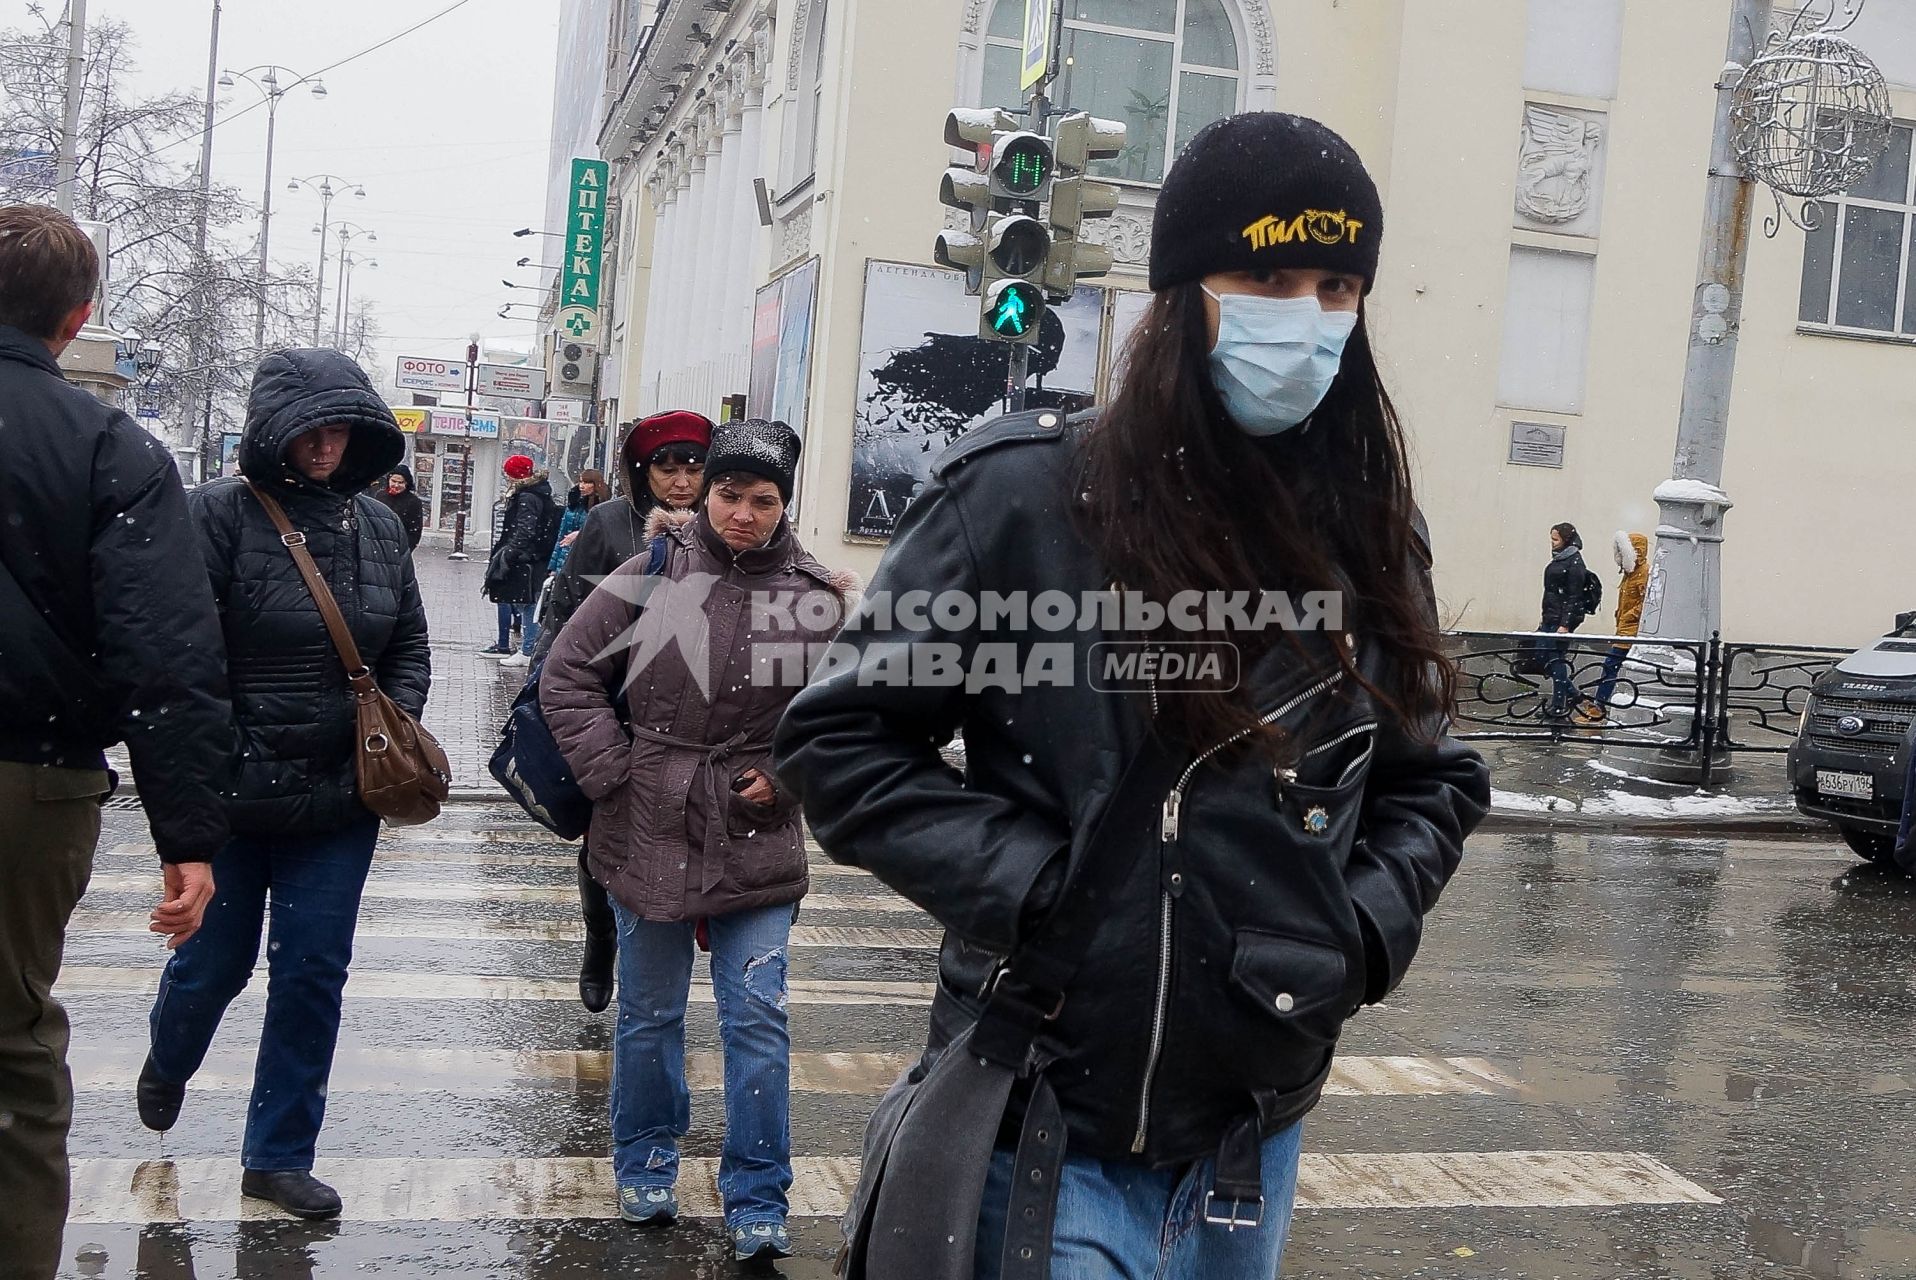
(584, 252)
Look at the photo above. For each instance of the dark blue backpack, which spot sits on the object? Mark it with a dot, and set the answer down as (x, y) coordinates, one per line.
(527, 762)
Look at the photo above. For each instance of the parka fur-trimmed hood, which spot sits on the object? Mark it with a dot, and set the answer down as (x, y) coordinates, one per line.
(533, 481)
(1633, 558)
(1632, 550)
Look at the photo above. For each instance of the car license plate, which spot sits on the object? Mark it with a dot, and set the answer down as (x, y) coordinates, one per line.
(1859, 786)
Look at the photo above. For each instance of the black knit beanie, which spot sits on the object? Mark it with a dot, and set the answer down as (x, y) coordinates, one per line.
(1266, 189)
(756, 447)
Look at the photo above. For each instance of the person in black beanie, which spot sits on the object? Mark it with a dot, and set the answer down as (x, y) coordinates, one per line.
(1162, 900)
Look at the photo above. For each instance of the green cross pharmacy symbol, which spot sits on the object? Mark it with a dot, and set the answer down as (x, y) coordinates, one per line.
(578, 324)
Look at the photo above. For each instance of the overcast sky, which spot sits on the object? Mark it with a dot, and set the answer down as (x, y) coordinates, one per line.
(446, 129)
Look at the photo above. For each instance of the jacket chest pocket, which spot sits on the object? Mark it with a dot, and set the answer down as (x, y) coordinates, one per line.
(1321, 795)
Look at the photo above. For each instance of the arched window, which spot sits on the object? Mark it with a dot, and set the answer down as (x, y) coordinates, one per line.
(1165, 68)
(808, 107)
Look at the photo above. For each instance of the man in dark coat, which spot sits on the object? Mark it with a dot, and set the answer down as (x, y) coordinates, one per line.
(517, 567)
(399, 494)
(316, 435)
(109, 635)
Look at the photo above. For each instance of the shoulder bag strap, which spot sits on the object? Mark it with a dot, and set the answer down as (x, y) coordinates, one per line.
(295, 542)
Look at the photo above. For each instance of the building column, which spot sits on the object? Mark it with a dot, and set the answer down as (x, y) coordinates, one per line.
(684, 250)
(647, 393)
(737, 336)
(722, 266)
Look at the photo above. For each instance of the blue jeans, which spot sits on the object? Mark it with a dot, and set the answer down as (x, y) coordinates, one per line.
(651, 1106)
(1612, 666)
(315, 883)
(1564, 694)
(1123, 1221)
(528, 626)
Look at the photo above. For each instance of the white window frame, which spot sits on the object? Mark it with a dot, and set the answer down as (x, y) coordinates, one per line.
(1836, 208)
(805, 110)
(1252, 95)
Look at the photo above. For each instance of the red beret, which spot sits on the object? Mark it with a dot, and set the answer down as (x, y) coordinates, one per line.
(518, 466)
(679, 426)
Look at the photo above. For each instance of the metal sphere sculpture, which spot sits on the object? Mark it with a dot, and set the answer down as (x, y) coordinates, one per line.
(1811, 115)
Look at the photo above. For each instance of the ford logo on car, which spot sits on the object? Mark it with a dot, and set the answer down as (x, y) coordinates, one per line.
(1850, 726)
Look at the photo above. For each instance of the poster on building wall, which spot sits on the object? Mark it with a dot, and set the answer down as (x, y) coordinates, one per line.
(782, 347)
(528, 436)
(926, 377)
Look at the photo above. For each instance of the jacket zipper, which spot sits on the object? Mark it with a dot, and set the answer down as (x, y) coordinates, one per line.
(1285, 777)
(1167, 835)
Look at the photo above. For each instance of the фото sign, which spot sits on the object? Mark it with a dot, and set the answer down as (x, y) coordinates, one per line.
(584, 252)
(416, 373)
(512, 381)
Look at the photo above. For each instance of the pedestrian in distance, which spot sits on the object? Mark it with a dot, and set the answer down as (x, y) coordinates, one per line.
(316, 436)
(689, 826)
(400, 493)
(517, 567)
(585, 495)
(1632, 552)
(1565, 605)
(108, 635)
(1161, 903)
(661, 467)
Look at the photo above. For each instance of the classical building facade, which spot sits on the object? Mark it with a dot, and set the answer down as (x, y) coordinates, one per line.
(776, 167)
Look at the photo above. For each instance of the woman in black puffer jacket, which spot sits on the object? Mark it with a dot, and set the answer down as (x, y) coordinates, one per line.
(316, 435)
(1563, 580)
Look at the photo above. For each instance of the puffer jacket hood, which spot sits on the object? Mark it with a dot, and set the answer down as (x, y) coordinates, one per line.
(299, 389)
(533, 481)
(404, 472)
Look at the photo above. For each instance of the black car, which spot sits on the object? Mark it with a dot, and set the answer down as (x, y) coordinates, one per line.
(1851, 760)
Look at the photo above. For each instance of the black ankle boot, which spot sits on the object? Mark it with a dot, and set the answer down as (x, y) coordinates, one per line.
(595, 970)
(159, 1099)
(294, 1190)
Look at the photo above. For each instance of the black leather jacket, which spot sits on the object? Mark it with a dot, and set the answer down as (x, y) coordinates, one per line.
(1255, 921)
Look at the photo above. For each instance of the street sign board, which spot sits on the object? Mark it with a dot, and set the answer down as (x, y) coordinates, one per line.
(584, 251)
(147, 411)
(411, 421)
(418, 373)
(1037, 52)
(1536, 444)
(483, 426)
(449, 424)
(512, 381)
(565, 409)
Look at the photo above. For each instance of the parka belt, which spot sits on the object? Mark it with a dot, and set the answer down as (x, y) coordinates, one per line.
(716, 785)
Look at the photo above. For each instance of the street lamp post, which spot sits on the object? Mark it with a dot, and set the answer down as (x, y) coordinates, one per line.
(272, 90)
(350, 262)
(347, 232)
(323, 184)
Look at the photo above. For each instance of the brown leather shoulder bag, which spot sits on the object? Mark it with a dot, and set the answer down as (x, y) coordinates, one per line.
(403, 772)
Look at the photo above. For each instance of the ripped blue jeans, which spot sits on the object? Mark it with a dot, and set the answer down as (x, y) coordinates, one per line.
(651, 1104)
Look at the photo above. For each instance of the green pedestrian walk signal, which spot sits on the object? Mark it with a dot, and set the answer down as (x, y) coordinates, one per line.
(1013, 309)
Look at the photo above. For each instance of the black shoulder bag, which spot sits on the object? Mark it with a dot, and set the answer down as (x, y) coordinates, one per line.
(929, 1143)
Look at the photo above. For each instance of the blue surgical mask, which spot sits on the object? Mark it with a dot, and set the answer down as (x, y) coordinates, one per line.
(1276, 358)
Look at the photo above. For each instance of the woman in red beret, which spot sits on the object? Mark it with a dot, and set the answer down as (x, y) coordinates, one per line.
(661, 465)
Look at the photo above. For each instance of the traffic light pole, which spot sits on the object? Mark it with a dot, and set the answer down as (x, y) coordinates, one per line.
(1020, 353)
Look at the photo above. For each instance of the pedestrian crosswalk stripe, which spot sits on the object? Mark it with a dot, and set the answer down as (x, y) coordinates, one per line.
(456, 857)
(388, 985)
(380, 889)
(477, 1072)
(442, 928)
(576, 1188)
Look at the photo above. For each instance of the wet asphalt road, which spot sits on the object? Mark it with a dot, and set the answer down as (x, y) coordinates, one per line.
(1719, 1040)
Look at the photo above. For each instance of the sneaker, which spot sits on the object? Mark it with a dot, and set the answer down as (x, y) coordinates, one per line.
(648, 1206)
(295, 1190)
(494, 651)
(1590, 715)
(761, 1241)
(517, 661)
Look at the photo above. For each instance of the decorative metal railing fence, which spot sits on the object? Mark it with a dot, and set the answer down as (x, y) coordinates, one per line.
(1704, 698)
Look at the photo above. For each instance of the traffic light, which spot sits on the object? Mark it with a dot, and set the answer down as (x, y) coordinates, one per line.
(969, 190)
(1076, 197)
(1021, 167)
(1018, 247)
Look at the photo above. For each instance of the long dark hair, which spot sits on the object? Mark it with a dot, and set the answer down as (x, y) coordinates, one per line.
(1176, 498)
